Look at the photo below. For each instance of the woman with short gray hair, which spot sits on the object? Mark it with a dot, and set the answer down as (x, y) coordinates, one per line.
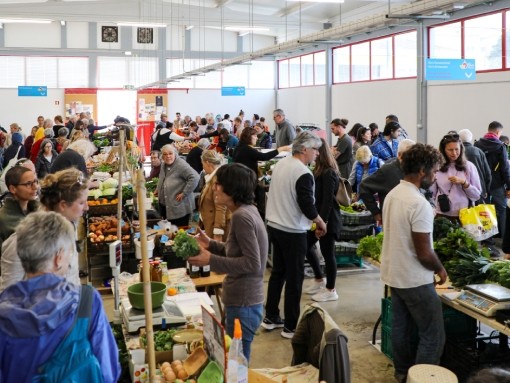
(177, 181)
(38, 312)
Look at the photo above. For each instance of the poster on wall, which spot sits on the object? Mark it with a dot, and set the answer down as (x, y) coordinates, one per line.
(80, 100)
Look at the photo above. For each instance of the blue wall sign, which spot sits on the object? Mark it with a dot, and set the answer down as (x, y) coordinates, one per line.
(32, 91)
(450, 69)
(233, 91)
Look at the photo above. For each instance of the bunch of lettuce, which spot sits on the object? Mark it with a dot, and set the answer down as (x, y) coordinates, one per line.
(185, 246)
(371, 246)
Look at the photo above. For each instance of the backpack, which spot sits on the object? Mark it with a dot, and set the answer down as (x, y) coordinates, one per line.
(73, 361)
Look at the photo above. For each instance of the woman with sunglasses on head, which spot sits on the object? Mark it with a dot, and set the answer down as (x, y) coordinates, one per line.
(64, 192)
(23, 186)
(457, 182)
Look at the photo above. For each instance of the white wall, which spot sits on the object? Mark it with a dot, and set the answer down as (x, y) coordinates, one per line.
(196, 102)
(24, 110)
(32, 35)
(368, 102)
(468, 105)
(303, 105)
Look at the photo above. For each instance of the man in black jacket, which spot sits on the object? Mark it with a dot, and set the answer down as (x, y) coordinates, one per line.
(382, 181)
(497, 157)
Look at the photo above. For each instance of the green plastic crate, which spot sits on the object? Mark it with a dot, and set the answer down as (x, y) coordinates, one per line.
(386, 312)
(348, 260)
(386, 348)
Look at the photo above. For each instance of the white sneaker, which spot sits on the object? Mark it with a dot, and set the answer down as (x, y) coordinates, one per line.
(315, 287)
(325, 295)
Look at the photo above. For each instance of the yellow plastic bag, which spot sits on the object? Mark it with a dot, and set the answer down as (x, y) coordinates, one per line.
(479, 221)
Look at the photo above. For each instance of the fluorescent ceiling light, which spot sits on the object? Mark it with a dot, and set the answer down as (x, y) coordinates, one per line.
(25, 21)
(241, 34)
(190, 27)
(141, 25)
(128, 53)
(241, 28)
(62, 23)
(317, 1)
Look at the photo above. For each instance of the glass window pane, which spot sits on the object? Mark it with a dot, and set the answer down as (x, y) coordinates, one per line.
(42, 71)
(405, 55)
(483, 41)
(307, 70)
(360, 62)
(12, 71)
(142, 70)
(283, 74)
(320, 68)
(261, 75)
(112, 72)
(341, 65)
(175, 67)
(507, 39)
(295, 72)
(382, 58)
(445, 41)
(211, 80)
(73, 72)
(236, 75)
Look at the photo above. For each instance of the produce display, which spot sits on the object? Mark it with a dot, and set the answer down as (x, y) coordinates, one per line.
(162, 340)
(185, 246)
(355, 207)
(371, 246)
(104, 229)
(184, 146)
(102, 201)
(107, 188)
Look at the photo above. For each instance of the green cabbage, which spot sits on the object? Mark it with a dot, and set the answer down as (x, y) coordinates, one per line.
(110, 183)
(109, 192)
(96, 193)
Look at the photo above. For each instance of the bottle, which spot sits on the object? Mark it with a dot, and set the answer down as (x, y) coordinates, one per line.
(164, 272)
(194, 271)
(205, 271)
(237, 367)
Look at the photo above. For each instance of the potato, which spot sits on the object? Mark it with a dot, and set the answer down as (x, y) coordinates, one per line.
(182, 374)
(170, 376)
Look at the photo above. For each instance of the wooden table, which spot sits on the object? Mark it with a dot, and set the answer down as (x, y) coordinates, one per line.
(215, 282)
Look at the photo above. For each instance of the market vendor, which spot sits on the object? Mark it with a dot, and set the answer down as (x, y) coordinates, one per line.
(243, 256)
(177, 181)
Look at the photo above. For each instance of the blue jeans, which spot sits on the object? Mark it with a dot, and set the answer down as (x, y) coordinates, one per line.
(250, 318)
(422, 306)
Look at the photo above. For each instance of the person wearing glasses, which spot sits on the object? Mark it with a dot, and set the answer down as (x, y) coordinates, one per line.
(45, 159)
(457, 179)
(23, 186)
(64, 192)
(284, 130)
(290, 213)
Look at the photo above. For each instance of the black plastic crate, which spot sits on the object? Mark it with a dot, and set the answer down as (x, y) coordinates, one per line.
(355, 233)
(357, 218)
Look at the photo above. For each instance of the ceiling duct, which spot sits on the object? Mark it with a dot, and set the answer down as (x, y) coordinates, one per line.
(337, 33)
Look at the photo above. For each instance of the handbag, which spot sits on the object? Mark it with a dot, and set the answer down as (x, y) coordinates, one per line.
(344, 193)
(479, 221)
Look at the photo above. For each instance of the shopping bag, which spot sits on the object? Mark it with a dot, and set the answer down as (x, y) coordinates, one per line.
(344, 193)
(479, 221)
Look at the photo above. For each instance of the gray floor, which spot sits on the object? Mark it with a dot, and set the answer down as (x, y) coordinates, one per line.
(355, 312)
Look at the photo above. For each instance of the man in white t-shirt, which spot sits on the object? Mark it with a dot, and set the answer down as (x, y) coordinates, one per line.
(409, 263)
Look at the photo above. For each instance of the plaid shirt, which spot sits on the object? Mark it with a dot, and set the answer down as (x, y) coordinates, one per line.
(381, 148)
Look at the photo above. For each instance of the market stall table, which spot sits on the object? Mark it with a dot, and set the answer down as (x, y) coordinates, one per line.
(215, 282)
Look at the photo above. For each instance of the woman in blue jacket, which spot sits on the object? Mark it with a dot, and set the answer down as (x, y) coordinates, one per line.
(36, 313)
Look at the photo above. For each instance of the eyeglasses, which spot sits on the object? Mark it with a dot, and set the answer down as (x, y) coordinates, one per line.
(316, 149)
(29, 184)
(451, 136)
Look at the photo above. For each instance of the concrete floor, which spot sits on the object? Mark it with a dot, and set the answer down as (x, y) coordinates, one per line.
(355, 312)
